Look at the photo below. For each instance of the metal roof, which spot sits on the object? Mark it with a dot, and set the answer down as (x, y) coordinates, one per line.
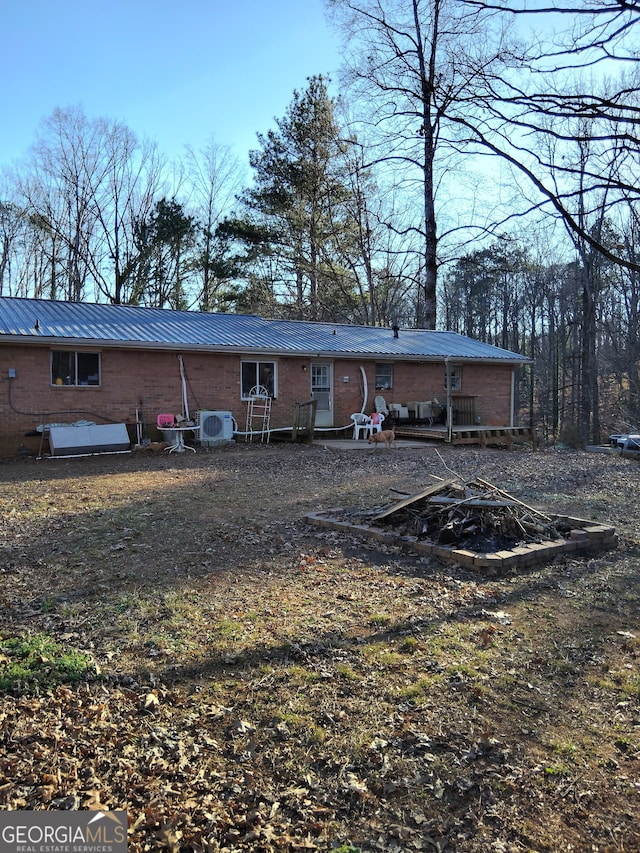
(46, 321)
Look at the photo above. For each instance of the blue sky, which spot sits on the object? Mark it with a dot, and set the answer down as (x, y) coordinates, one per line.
(176, 72)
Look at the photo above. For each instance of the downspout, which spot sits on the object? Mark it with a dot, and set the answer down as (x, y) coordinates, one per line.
(365, 389)
(447, 374)
(185, 402)
(513, 397)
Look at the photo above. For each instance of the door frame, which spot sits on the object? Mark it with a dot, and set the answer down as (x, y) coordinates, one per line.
(324, 417)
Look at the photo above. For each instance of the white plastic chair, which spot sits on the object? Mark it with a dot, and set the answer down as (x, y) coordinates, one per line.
(381, 405)
(361, 424)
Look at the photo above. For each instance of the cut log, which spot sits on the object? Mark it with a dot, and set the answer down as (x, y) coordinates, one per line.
(430, 490)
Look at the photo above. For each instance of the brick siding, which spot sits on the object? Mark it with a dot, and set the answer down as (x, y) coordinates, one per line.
(150, 381)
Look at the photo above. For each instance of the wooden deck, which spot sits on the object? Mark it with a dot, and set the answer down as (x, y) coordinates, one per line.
(485, 436)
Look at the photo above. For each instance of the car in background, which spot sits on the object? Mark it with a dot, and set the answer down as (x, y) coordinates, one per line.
(625, 442)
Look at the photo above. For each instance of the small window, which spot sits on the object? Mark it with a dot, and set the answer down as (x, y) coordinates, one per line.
(455, 374)
(75, 368)
(258, 373)
(384, 377)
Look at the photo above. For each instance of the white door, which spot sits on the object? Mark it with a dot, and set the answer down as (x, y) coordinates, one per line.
(322, 391)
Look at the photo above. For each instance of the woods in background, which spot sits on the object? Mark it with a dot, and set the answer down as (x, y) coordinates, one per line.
(479, 172)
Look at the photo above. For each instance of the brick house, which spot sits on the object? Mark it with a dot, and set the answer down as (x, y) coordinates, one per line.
(67, 361)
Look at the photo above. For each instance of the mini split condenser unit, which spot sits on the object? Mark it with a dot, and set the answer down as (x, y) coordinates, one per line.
(215, 427)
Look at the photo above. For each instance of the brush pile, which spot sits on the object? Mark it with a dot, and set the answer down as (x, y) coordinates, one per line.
(471, 514)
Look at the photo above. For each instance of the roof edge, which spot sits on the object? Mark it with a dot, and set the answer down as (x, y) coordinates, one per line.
(221, 349)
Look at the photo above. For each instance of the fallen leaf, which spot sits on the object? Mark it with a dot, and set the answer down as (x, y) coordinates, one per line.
(151, 702)
(242, 727)
(358, 786)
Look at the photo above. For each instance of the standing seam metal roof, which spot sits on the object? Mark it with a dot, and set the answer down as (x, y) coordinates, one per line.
(129, 325)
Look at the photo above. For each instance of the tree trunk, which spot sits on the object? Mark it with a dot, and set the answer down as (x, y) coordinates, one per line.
(427, 80)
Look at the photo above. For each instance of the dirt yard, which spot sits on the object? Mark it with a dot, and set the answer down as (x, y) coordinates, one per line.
(241, 681)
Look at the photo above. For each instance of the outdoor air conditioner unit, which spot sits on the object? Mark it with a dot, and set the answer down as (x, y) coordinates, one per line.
(215, 427)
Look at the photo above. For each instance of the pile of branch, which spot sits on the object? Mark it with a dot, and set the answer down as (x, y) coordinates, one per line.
(472, 514)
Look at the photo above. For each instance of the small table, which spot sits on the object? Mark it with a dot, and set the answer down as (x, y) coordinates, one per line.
(178, 445)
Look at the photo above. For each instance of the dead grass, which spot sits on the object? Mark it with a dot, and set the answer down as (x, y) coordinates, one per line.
(263, 685)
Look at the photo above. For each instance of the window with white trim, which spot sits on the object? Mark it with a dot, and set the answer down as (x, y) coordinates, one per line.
(384, 376)
(254, 373)
(69, 367)
(455, 376)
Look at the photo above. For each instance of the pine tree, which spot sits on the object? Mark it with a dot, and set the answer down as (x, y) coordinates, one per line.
(297, 203)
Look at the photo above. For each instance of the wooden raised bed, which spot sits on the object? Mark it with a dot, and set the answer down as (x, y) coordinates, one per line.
(472, 523)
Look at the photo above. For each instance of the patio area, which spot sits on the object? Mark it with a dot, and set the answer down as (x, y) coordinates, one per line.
(485, 436)
(428, 421)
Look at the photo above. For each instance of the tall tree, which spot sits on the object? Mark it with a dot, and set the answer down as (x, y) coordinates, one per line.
(57, 193)
(565, 71)
(123, 191)
(297, 200)
(408, 63)
(622, 325)
(85, 184)
(165, 242)
(213, 177)
(483, 293)
(12, 223)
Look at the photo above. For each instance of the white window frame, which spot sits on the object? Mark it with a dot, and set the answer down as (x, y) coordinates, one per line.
(384, 365)
(455, 375)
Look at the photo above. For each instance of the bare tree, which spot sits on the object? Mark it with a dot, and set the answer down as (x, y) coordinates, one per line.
(12, 222)
(123, 191)
(57, 195)
(409, 63)
(370, 265)
(213, 181)
(561, 85)
(84, 186)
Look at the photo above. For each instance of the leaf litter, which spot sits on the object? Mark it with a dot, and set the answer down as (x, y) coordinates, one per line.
(471, 514)
(261, 685)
